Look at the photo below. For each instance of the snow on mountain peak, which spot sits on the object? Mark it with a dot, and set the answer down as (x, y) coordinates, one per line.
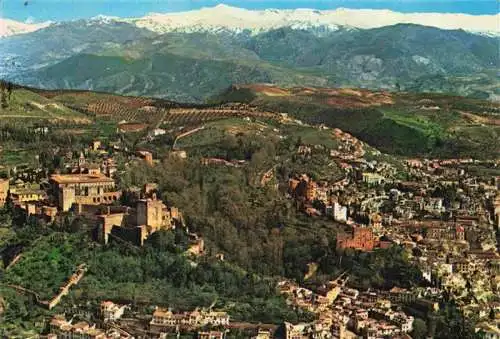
(238, 19)
(10, 27)
(105, 19)
(225, 18)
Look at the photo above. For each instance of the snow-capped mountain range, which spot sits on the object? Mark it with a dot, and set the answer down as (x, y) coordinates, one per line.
(238, 19)
(227, 18)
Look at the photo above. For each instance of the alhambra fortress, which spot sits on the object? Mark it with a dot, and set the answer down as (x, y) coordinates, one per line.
(89, 190)
(83, 189)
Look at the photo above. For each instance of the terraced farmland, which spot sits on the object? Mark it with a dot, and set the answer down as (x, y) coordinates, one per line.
(183, 116)
(149, 110)
(109, 106)
(30, 107)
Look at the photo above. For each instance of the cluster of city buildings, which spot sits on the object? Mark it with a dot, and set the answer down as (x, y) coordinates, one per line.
(165, 319)
(114, 322)
(62, 328)
(201, 324)
(343, 312)
(447, 218)
(316, 198)
(446, 213)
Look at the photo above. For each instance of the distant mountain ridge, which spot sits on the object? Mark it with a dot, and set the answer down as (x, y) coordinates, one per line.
(11, 27)
(227, 18)
(109, 54)
(258, 21)
(57, 42)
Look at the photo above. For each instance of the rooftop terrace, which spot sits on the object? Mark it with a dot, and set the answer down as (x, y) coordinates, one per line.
(62, 179)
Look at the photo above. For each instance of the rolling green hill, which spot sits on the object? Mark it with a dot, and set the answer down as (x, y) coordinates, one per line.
(396, 123)
(28, 106)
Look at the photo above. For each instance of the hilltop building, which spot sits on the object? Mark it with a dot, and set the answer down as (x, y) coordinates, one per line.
(155, 214)
(37, 210)
(88, 189)
(197, 246)
(147, 156)
(339, 212)
(136, 225)
(211, 335)
(372, 179)
(111, 311)
(263, 334)
(362, 238)
(436, 229)
(303, 189)
(23, 195)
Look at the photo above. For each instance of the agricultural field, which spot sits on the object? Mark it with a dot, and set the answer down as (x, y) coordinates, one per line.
(107, 106)
(214, 132)
(189, 116)
(219, 131)
(117, 108)
(312, 136)
(231, 139)
(396, 123)
(29, 107)
(433, 125)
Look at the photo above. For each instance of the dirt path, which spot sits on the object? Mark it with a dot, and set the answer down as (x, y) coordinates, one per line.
(478, 119)
(185, 134)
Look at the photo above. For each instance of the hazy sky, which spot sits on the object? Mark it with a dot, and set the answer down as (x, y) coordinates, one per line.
(57, 10)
